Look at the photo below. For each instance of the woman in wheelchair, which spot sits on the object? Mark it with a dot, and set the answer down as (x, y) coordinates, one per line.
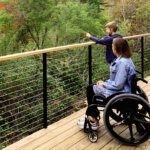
(125, 103)
(121, 71)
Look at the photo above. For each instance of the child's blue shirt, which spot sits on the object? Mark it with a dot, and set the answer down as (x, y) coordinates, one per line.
(107, 40)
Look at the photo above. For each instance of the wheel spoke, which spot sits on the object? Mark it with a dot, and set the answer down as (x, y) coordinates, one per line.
(143, 115)
(131, 131)
(141, 121)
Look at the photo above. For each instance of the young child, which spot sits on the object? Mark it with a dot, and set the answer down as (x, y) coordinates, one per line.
(111, 29)
(121, 71)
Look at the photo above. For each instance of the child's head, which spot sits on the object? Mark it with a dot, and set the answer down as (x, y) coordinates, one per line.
(111, 27)
(121, 48)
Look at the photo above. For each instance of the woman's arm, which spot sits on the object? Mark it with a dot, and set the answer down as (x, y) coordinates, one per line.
(120, 79)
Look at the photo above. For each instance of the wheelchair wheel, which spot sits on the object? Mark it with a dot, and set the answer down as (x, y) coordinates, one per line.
(93, 136)
(134, 124)
(118, 115)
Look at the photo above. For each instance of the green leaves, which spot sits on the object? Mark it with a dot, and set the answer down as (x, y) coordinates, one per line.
(73, 20)
(47, 23)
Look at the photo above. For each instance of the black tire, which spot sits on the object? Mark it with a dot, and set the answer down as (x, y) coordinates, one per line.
(130, 105)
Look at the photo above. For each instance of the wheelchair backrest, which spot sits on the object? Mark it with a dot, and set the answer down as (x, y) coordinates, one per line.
(133, 83)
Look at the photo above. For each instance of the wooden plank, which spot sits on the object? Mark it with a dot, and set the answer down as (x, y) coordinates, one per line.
(124, 147)
(142, 84)
(26, 140)
(144, 146)
(101, 142)
(52, 134)
(69, 142)
(104, 140)
(81, 144)
(67, 119)
(51, 143)
(43, 132)
(84, 143)
(117, 145)
(146, 88)
(112, 145)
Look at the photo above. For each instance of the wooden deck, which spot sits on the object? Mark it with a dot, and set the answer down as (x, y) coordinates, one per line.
(65, 135)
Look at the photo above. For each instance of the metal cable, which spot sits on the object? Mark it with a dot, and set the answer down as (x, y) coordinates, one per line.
(16, 114)
(18, 135)
(19, 80)
(21, 101)
(19, 90)
(23, 127)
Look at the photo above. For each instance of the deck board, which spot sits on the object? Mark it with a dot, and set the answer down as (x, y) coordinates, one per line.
(65, 135)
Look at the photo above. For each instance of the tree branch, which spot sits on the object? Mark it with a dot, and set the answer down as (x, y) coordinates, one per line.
(44, 36)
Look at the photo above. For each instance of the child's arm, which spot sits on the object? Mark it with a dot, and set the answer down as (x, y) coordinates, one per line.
(105, 40)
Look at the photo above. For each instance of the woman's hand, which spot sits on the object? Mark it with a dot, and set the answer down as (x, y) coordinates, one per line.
(88, 35)
(100, 83)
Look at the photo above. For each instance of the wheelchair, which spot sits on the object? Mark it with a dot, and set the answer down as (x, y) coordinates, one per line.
(126, 115)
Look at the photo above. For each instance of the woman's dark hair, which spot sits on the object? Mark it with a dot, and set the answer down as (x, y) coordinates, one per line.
(122, 47)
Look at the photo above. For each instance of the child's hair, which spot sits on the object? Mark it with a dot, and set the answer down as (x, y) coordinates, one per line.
(122, 47)
(112, 25)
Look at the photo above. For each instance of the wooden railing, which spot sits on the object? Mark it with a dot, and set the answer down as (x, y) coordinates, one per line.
(47, 50)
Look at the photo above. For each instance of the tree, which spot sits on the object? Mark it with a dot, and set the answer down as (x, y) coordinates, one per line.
(133, 14)
(32, 19)
(47, 23)
(73, 20)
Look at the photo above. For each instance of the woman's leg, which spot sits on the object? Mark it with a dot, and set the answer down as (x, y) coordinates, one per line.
(91, 111)
(90, 93)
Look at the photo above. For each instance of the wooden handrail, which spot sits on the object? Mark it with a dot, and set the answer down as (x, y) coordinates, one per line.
(47, 50)
(136, 36)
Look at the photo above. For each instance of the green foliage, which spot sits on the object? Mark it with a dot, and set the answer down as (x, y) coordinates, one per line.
(73, 21)
(2, 146)
(142, 15)
(41, 24)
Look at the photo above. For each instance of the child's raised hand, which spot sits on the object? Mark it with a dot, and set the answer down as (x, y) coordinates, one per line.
(88, 35)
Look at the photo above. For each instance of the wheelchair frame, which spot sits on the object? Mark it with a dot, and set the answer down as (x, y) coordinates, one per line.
(134, 110)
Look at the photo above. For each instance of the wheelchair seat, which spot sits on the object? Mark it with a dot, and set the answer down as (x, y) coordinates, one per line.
(101, 100)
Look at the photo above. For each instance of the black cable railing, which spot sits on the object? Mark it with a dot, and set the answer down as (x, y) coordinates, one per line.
(37, 90)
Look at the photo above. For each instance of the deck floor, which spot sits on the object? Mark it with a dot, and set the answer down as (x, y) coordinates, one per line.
(65, 135)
